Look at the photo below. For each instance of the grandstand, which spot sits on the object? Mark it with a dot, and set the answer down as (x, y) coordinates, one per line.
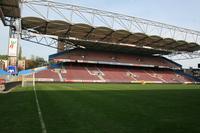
(83, 65)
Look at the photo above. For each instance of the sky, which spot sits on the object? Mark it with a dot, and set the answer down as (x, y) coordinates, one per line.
(182, 13)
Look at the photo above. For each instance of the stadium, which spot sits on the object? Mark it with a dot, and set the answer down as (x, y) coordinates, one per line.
(111, 72)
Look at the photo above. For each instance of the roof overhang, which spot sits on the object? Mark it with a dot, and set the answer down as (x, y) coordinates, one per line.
(116, 47)
(11, 8)
(106, 38)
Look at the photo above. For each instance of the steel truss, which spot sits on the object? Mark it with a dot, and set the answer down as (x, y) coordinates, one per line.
(46, 40)
(40, 39)
(77, 14)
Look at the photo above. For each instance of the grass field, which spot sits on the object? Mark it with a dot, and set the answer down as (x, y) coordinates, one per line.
(102, 108)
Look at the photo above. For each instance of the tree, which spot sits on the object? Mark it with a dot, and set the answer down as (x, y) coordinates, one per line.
(40, 61)
(35, 62)
(30, 64)
(3, 57)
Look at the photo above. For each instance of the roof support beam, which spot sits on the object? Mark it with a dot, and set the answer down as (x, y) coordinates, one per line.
(163, 45)
(88, 34)
(140, 40)
(106, 36)
(153, 43)
(2, 17)
(121, 40)
(181, 45)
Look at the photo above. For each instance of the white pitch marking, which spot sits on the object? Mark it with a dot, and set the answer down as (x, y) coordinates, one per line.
(44, 130)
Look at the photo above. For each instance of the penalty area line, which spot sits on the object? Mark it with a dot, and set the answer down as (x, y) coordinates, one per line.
(44, 130)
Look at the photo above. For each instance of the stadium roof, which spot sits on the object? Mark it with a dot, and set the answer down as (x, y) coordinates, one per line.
(100, 37)
(121, 48)
(10, 8)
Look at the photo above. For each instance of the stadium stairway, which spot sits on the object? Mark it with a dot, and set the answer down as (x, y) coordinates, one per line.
(96, 72)
(60, 76)
(129, 74)
(154, 75)
(58, 71)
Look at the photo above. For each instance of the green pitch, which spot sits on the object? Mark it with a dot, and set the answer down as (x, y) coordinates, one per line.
(102, 108)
